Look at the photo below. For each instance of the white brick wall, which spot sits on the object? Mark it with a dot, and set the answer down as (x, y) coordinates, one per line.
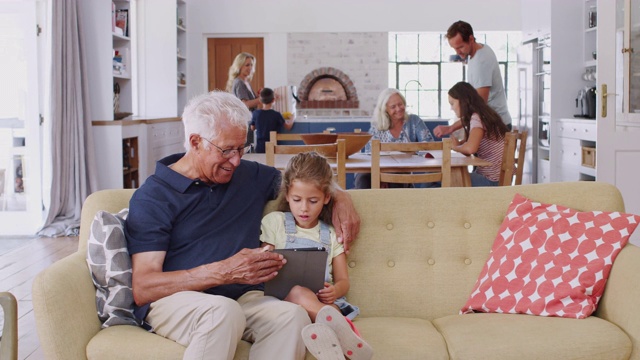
(362, 56)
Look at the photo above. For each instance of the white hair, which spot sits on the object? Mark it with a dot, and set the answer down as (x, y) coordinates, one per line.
(204, 114)
(381, 120)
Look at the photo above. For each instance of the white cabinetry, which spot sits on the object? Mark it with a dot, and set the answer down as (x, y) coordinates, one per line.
(164, 138)
(140, 143)
(101, 44)
(573, 139)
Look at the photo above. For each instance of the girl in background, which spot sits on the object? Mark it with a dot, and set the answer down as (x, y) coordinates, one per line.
(304, 221)
(484, 132)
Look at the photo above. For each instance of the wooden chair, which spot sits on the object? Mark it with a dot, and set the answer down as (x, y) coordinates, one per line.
(9, 344)
(378, 176)
(274, 137)
(515, 145)
(338, 148)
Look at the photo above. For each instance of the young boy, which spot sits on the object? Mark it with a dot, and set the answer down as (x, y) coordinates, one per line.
(265, 120)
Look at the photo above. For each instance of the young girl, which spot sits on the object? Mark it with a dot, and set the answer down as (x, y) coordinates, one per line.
(484, 132)
(307, 186)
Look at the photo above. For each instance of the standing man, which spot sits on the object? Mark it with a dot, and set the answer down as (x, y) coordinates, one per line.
(193, 234)
(483, 73)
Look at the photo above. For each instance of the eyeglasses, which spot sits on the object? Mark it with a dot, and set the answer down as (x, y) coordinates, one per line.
(229, 153)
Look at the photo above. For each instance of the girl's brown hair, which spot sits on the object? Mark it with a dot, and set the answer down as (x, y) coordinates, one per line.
(308, 167)
(471, 102)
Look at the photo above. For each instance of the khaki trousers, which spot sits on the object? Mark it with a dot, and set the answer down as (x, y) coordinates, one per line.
(210, 326)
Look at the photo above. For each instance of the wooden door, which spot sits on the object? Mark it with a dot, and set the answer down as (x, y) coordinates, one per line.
(220, 55)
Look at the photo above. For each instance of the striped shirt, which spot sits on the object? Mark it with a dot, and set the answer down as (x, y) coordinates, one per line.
(490, 150)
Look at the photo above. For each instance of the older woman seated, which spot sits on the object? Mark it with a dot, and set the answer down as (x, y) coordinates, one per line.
(391, 123)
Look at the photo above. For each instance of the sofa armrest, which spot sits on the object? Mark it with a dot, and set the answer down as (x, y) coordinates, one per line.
(65, 309)
(619, 304)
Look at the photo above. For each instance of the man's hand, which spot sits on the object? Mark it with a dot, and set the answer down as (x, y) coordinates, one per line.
(346, 220)
(251, 266)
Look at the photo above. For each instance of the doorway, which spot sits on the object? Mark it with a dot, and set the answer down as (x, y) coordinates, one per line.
(20, 139)
(220, 55)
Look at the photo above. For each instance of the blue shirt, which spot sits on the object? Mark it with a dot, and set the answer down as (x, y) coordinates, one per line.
(413, 130)
(196, 223)
(265, 121)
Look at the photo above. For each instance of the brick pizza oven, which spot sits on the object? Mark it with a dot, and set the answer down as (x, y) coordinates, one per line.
(327, 88)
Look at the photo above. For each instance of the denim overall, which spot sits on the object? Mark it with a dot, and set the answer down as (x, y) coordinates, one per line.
(295, 242)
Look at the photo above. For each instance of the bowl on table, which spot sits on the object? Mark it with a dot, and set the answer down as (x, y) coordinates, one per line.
(354, 142)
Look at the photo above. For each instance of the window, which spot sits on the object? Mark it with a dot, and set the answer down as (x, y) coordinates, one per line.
(423, 67)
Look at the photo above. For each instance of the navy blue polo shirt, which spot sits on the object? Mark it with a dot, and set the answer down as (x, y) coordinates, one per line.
(196, 223)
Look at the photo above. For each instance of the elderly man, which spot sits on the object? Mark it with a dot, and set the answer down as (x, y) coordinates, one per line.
(483, 73)
(193, 233)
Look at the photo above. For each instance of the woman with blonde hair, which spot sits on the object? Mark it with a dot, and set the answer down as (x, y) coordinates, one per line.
(240, 74)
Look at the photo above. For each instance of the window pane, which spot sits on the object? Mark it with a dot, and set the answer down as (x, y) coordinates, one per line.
(412, 101)
(514, 42)
(429, 47)
(407, 47)
(392, 76)
(451, 74)
(429, 77)
(498, 42)
(392, 47)
(406, 74)
(429, 104)
(445, 107)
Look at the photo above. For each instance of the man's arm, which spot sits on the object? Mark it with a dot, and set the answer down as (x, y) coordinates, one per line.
(484, 92)
(249, 266)
(345, 218)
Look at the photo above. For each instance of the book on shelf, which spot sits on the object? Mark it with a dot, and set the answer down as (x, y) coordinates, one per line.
(122, 21)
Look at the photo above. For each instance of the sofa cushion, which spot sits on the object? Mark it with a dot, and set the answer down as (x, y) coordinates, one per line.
(550, 260)
(508, 336)
(110, 266)
(401, 338)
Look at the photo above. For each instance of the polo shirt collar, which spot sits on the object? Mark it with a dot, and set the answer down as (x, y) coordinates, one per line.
(174, 179)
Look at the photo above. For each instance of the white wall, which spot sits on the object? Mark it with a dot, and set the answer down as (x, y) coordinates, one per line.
(274, 19)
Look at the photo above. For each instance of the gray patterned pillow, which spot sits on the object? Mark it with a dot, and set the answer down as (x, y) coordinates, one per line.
(110, 266)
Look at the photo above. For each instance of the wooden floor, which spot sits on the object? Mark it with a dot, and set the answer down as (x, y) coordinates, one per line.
(21, 259)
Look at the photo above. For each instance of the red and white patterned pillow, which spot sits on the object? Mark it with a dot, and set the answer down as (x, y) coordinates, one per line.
(550, 260)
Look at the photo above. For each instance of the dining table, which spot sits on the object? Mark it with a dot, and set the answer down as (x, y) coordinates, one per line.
(395, 161)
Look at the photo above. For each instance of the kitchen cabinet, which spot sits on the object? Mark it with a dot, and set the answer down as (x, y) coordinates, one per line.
(127, 150)
(569, 138)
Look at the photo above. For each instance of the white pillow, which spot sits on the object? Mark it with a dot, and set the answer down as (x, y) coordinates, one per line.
(110, 266)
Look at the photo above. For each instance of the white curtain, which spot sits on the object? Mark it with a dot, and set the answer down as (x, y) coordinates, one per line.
(73, 166)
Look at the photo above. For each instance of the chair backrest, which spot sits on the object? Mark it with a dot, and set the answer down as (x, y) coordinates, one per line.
(378, 175)
(338, 148)
(9, 344)
(515, 145)
(274, 137)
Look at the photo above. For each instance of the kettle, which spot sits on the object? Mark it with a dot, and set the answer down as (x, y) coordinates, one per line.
(590, 102)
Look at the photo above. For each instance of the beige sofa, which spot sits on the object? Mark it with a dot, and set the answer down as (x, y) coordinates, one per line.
(412, 268)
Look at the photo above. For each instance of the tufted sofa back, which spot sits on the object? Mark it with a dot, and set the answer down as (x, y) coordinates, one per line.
(421, 250)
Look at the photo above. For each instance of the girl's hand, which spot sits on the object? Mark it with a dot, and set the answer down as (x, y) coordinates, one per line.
(328, 294)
